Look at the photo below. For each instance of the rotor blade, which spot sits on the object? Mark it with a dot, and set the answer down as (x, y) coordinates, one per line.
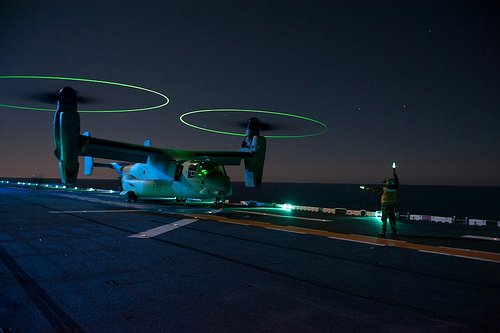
(86, 100)
(52, 98)
(270, 127)
(263, 126)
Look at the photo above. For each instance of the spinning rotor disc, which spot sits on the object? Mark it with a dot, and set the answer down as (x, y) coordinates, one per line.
(322, 126)
(111, 83)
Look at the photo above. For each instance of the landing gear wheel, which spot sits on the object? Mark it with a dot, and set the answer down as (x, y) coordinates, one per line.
(131, 197)
(218, 203)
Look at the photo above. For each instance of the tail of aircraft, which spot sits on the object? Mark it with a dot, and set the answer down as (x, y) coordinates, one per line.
(89, 166)
(118, 167)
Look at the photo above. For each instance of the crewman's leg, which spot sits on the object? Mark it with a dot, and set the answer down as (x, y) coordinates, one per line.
(384, 221)
(391, 212)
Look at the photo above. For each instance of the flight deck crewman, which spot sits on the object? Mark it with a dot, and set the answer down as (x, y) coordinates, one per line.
(389, 199)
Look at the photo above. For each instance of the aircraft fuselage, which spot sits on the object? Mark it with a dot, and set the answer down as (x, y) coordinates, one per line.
(190, 179)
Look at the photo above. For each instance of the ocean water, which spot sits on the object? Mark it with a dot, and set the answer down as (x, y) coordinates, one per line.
(460, 201)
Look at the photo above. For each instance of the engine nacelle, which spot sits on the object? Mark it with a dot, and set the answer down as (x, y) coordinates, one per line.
(67, 136)
(254, 166)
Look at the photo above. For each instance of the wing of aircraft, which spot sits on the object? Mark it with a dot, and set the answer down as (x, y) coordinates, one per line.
(128, 152)
(115, 150)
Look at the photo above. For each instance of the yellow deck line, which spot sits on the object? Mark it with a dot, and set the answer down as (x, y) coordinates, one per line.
(443, 250)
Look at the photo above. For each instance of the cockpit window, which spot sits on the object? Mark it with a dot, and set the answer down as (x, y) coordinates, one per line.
(178, 172)
(210, 168)
(192, 170)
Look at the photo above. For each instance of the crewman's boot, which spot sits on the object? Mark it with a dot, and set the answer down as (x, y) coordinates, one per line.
(394, 233)
(382, 233)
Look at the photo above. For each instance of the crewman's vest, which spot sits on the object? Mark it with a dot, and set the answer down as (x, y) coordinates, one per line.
(389, 196)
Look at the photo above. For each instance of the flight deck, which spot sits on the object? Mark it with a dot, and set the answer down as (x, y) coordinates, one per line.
(74, 261)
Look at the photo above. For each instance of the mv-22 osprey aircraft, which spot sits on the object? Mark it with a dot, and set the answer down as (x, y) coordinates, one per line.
(155, 172)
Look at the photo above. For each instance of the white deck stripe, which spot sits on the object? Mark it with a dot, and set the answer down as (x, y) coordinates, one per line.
(285, 230)
(163, 229)
(458, 256)
(435, 252)
(482, 238)
(96, 211)
(283, 216)
(355, 241)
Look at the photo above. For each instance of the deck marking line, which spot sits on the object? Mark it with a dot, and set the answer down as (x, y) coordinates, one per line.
(96, 211)
(435, 252)
(285, 230)
(283, 216)
(355, 241)
(482, 259)
(467, 250)
(459, 256)
(482, 238)
(163, 229)
(95, 200)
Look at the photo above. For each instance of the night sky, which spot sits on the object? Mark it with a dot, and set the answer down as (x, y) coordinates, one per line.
(416, 82)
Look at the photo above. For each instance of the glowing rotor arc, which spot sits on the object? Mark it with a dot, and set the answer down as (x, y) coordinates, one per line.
(282, 114)
(37, 77)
